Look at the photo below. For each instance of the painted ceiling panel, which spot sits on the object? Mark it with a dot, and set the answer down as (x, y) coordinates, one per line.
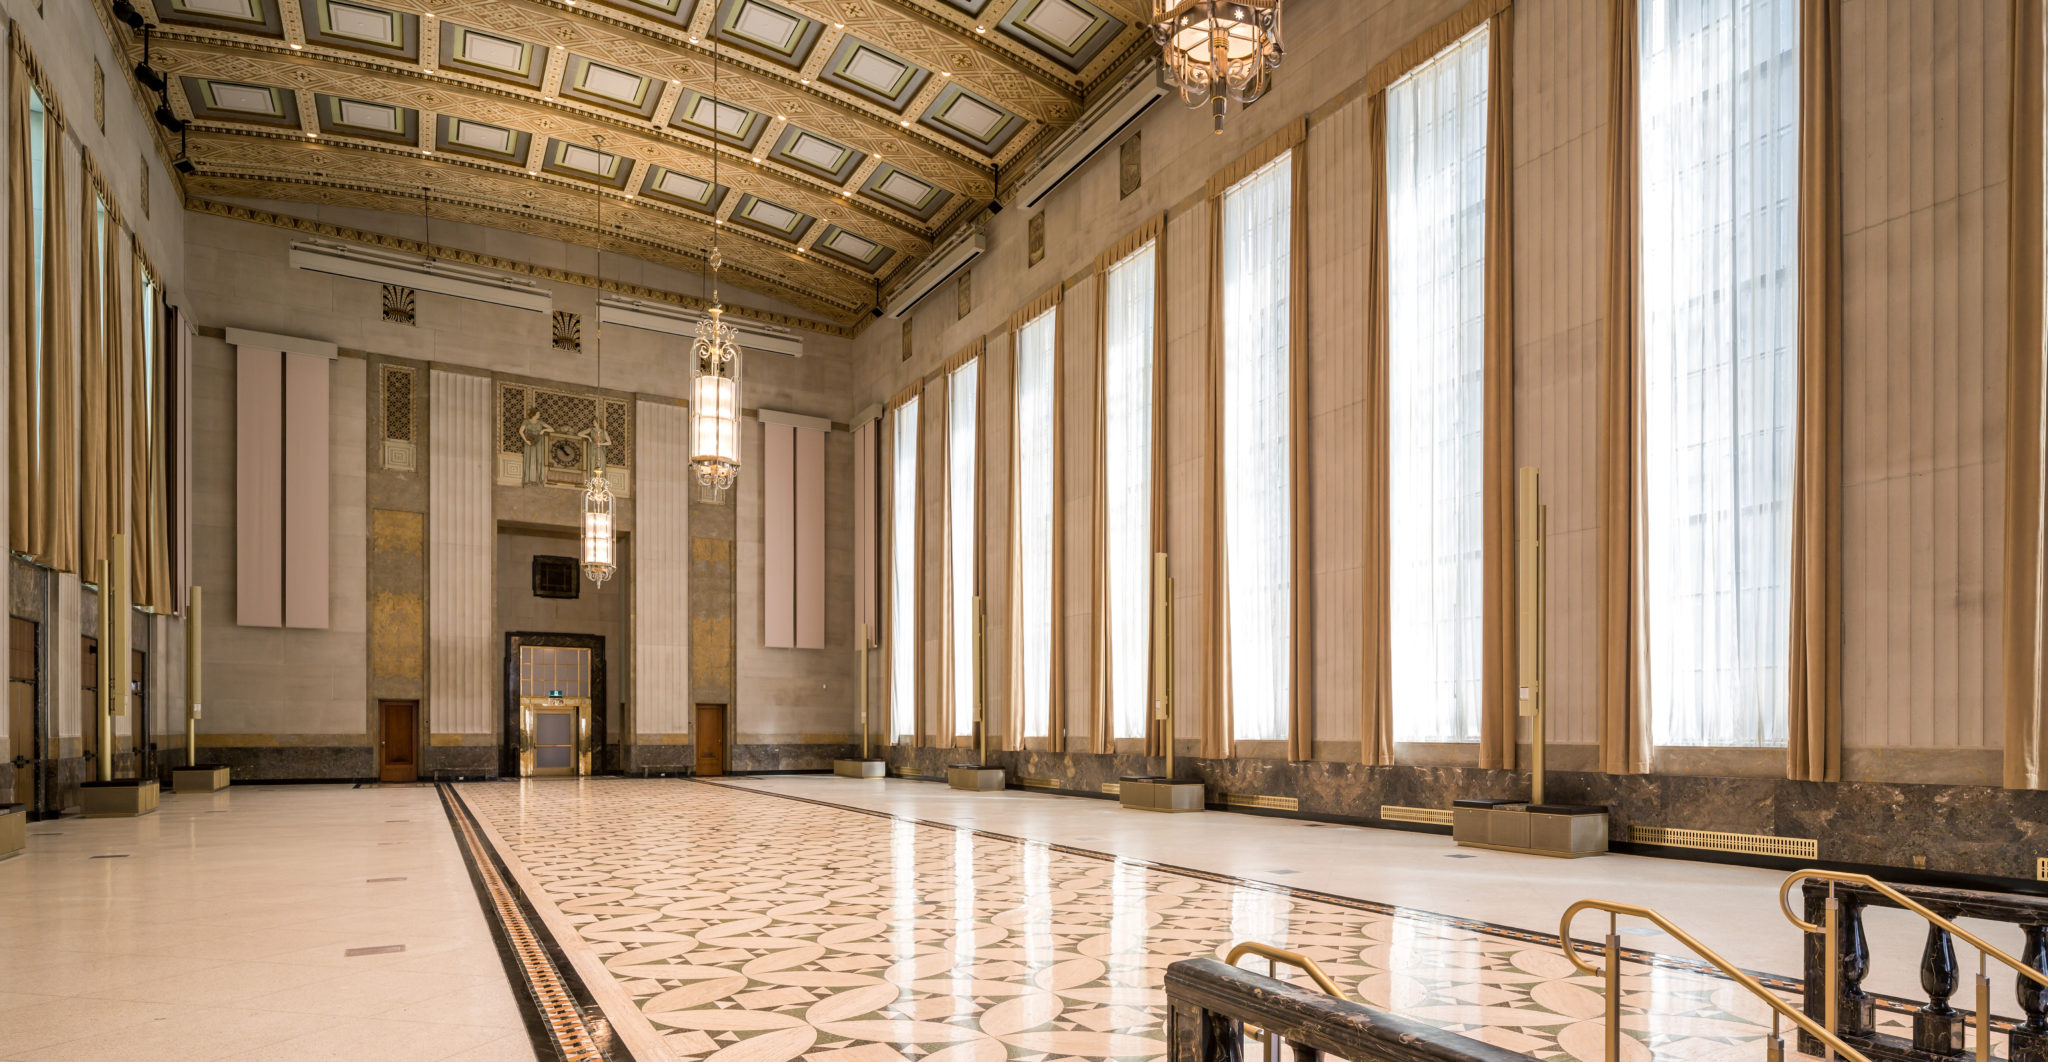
(874, 126)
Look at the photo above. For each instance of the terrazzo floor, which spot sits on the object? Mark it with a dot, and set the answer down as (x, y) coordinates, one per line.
(726, 923)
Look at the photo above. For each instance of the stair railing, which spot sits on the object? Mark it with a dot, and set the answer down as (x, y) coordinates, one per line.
(1931, 1023)
(1276, 957)
(1610, 974)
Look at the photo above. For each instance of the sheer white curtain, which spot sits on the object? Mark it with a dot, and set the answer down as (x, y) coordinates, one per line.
(903, 574)
(1720, 192)
(1257, 232)
(963, 399)
(1436, 390)
(1127, 477)
(1034, 515)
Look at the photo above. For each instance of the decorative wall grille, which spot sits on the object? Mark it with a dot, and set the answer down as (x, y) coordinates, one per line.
(401, 448)
(399, 304)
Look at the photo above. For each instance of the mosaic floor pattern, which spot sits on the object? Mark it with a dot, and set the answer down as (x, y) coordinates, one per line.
(748, 927)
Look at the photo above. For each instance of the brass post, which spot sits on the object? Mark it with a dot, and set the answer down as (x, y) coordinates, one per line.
(121, 667)
(192, 634)
(1160, 649)
(1530, 586)
(1833, 959)
(1983, 1012)
(1539, 726)
(1613, 988)
(980, 683)
(862, 649)
(1169, 678)
(103, 679)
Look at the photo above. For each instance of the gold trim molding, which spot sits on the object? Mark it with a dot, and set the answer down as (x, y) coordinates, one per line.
(509, 265)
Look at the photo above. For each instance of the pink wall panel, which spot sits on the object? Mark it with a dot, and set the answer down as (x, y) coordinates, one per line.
(259, 487)
(778, 536)
(810, 538)
(305, 458)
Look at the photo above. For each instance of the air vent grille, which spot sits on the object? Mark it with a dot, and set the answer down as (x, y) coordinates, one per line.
(1036, 783)
(1257, 800)
(1717, 841)
(1432, 816)
(1113, 788)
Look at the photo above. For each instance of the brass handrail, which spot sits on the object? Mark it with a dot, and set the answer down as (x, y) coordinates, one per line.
(1612, 976)
(1828, 931)
(1292, 958)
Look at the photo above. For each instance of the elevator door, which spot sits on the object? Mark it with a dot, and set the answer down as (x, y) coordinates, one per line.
(554, 710)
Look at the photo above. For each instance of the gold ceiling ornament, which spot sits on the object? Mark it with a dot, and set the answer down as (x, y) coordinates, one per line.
(1219, 50)
(715, 361)
(599, 558)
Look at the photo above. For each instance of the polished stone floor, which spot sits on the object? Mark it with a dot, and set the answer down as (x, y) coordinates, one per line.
(741, 925)
(832, 920)
(286, 922)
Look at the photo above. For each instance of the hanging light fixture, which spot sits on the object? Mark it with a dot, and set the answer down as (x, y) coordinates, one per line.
(1219, 50)
(599, 561)
(715, 358)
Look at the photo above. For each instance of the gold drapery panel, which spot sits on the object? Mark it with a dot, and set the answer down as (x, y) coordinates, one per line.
(1814, 707)
(1624, 659)
(1499, 721)
(1376, 679)
(2025, 668)
(43, 462)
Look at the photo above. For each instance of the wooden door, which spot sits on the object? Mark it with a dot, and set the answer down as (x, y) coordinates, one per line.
(142, 750)
(89, 704)
(710, 739)
(398, 741)
(21, 709)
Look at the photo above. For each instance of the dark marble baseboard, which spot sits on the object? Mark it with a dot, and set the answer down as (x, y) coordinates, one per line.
(658, 759)
(1866, 823)
(470, 761)
(787, 757)
(257, 763)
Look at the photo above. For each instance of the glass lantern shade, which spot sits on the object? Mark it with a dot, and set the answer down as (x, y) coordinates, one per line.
(1217, 51)
(598, 558)
(715, 428)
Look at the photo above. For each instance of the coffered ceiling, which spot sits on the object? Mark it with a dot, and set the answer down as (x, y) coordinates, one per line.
(850, 135)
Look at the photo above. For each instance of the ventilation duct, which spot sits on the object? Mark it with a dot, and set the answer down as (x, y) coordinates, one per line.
(421, 273)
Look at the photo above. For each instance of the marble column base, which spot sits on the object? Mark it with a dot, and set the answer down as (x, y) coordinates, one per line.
(1939, 1034)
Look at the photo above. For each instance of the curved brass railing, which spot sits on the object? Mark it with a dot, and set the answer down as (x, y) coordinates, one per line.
(1829, 930)
(1291, 958)
(1612, 977)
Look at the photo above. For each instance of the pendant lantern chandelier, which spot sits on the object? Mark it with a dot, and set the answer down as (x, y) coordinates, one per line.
(715, 364)
(1218, 50)
(599, 561)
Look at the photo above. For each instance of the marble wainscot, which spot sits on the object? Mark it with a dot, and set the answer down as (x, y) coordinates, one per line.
(1878, 824)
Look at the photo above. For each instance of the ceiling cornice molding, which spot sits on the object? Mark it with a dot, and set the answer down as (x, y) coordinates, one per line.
(840, 301)
(328, 230)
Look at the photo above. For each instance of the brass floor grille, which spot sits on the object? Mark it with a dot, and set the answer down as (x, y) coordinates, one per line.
(1718, 841)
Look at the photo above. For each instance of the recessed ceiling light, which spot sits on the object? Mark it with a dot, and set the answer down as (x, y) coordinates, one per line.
(839, 25)
(693, 40)
(430, 14)
(981, 29)
(547, 99)
(906, 123)
(428, 150)
(757, 158)
(296, 47)
(781, 118)
(676, 81)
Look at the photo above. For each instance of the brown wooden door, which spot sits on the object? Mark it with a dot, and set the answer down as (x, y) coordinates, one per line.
(710, 739)
(398, 741)
(89, 704)
(141, 761)
(21, 708)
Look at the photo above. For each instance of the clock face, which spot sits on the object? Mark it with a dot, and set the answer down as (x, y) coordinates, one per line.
(565, 453)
